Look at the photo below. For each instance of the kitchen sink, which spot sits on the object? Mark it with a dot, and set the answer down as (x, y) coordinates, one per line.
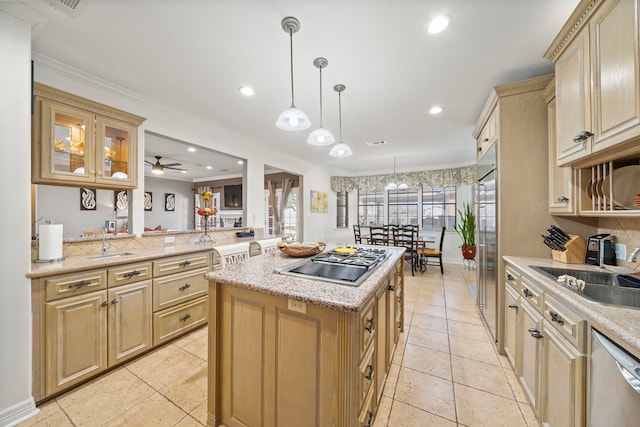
(113, 255)
(602, 287)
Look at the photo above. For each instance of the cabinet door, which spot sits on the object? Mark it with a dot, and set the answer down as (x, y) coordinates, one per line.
(116, 153)
(76, 339)
(530, 335)
(66, 145)
(130, 315)
(382, 338)
(511, 301)
(573, 99)
(564, 381)
(616, 77)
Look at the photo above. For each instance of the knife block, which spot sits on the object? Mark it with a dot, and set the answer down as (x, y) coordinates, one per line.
(574, 254)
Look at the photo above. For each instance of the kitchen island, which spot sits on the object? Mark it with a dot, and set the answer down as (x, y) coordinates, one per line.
(293, 351)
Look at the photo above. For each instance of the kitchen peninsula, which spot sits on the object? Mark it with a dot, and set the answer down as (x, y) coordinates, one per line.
(293, 351)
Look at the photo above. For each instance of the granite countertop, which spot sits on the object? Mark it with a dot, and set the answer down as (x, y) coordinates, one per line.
(74, 264)
(621, 324)
(258, 274)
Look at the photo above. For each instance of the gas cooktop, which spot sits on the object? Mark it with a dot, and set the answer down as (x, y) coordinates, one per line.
(348, 266)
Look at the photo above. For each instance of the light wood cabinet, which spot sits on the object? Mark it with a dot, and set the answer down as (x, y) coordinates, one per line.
(597, 64)
(562, 179)
(488, 135)
(78, 142)
(530, 324)
(511, 308)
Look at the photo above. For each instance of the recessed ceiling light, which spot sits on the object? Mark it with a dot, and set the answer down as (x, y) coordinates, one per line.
(439, 24)
(436, 109)
(246, 91)
(191, 149)
(209, 167)
(183, 171)
(240, 162)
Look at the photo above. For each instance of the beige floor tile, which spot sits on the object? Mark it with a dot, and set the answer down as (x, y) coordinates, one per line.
(403, 415)
(476, 350)
(427, 338)
(399, 353)
(154, 368)
(468, 330)
(50, 415)
(429, 322)
(155, 411)
(104, 398)
(200, 413)
(382, 417)
(467, 316)
(528, 414)
(428, 361)
(189, 421)
(430, 393)
(432, 299)
(479, 408)
(516, 388)
(392, 379)
(430, 310)
(190, 390)
(198, 347)
(192, 336)
(483, 376)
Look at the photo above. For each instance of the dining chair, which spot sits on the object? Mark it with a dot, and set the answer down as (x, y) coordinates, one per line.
(407, 237)
(378, 235)
(356, 233)
(426, 253)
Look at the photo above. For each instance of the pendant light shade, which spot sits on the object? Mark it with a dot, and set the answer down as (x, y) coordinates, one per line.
(321, 136)
(392, 185)
(340, 149)
(292, 118)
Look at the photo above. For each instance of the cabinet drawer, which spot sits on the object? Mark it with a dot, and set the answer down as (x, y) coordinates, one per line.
(569, 324)
(368, 410)
(175, 321)
(367, 374)
(513, 278)
(129, 274)
(177, 288)
(75, 284)
(531, 293)
(166, 266)
(367, 327)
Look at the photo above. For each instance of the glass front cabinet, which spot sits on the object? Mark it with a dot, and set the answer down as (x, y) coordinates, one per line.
(78, 142)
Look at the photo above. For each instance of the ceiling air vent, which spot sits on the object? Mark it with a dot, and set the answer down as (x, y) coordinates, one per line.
(68, 7)
(376, 143)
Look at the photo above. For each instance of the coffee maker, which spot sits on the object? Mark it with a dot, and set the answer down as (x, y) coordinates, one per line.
(600, 250)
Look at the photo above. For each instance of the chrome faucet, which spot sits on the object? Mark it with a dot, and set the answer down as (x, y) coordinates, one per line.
(634, 255)
(105, 246)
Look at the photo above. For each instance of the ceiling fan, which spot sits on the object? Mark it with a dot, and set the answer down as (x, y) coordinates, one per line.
(158, 168)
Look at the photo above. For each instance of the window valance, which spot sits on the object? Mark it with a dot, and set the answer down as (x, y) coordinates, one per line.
(431, 178)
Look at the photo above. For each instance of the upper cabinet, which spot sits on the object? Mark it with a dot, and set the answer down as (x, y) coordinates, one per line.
(78, 142)
(597, 64)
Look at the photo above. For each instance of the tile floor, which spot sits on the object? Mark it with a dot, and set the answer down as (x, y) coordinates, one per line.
(445, 372)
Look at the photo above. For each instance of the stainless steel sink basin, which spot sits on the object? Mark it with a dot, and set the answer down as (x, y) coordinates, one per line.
(112, 255)
(602, 287)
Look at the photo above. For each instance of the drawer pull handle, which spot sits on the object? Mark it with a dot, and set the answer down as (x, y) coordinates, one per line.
(114, 301)
(563, 199)
(369, 326)
(510, 277)
(369, 375)
(527, 293)
(184, 287)
(391, 288)
(185, 263)
(185, 317)
(535, 333)
(104, 303)
(555, 317)
(513, 306)
(131, 274)
(80, 284)
(369, 419)
(582, 136)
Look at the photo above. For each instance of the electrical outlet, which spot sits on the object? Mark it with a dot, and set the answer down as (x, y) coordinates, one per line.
(621, 251)
(169, 239)
(299, 306)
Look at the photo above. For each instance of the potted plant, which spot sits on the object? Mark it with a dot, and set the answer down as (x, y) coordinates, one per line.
(467, 230)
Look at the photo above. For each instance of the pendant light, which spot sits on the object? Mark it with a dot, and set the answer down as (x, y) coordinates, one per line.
(292, 118)
(340, 149)
(392, 185)
(321, 136)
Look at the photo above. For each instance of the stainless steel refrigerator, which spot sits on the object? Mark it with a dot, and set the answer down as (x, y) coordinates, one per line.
(487, 263)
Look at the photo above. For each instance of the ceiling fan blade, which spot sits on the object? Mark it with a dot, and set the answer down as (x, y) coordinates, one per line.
(175, 169)
(149, 163)
(171, 164)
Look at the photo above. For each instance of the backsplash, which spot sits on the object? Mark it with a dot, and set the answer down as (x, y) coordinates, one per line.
(623, 230)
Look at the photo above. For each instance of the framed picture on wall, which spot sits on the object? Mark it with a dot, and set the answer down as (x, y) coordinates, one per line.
(120, 200)
(88, 199)
(148, 200)
(169, 202)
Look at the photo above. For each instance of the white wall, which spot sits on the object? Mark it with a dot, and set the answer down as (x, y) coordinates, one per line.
(15, 228)
(182, 217)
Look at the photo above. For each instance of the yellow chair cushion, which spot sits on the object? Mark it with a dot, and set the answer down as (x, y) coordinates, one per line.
(429, 252)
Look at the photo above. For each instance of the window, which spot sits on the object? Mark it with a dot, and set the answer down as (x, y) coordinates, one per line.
(343, 209)
(370, 208)
(403, 207)
(438, 208)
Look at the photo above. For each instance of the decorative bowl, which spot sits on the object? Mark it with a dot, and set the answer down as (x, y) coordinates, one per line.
(301, 249)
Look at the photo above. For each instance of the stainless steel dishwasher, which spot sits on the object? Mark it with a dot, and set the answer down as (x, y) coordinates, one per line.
(615, 385)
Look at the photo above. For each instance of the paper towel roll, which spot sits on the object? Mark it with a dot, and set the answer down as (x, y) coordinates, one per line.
(50, 246)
